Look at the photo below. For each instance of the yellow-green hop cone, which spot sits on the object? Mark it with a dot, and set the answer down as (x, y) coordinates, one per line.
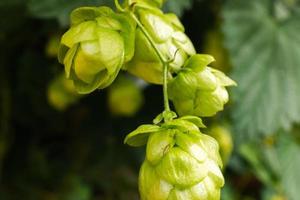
(198, 89)
(181, 162)
(222, 134)
(96, 46)
(125, 97)
(168, 36)
(61, 93)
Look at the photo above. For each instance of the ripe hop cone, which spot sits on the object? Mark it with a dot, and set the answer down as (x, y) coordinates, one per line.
(181, 163)
(198, 89)
(167, 34)
(96, 46)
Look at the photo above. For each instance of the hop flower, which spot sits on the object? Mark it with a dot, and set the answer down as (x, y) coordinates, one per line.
(125, 97)
(168, 36)
(199, 90)
(96, 46)
(61, 93)
(181, 163)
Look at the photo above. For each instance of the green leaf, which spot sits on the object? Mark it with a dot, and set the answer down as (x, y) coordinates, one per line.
(82, 14)
(61, 9)
(177, 6)
(198, 62)
(255, 156)
(194, 119)
(182, 125)
(265, 53)
(289, 152)
(139, 136)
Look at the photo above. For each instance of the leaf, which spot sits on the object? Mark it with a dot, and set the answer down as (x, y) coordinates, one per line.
(289, 152)
(139, 136)
(254, 155)
(60, 9)
(177, 6)
(264, 49)
(276, 164)
(183, 125)
(194, 119)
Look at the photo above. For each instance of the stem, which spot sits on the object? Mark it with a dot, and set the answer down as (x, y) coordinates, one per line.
(165, 87)
(119, 7)
(145, 32)
(164, 62)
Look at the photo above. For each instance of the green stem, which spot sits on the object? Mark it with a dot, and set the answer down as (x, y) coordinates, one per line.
(165, 87)
(164, 61)
(119, 7)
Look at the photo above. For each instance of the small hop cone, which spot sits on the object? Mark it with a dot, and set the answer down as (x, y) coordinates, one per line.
(125, 97)
(198, 89)
(61, 93)
(168, 36)
(181, 163)
(96, 46)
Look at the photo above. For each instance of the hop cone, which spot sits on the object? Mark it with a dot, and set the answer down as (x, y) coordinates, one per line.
(181, 163)
(168, 36)
(125, 97)
(199, 90)
(96, 46)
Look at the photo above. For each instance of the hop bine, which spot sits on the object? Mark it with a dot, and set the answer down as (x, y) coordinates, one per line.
(181, 163)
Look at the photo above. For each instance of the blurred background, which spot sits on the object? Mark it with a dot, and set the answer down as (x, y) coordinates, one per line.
(58, 145)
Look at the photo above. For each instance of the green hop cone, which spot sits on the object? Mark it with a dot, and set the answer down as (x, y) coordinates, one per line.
(168, 36)
(223, 135)
(125, 97)
(96, 46)
(198, 89)
(181, 163)
(61, 93)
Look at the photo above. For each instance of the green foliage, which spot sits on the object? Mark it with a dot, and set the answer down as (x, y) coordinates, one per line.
(60, 9)
(177, 6)
(275, 162)
(264, 43)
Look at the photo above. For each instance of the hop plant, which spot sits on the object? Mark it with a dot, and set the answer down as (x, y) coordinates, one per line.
(168, 36)
(181, 163)
(198, 89)
(96, 46)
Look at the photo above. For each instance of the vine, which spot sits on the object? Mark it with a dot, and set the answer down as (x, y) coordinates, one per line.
(181, 162)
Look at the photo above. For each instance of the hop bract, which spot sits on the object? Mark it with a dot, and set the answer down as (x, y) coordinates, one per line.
(96, 46)
(181, 163)
(168, 36)
(198, 89)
